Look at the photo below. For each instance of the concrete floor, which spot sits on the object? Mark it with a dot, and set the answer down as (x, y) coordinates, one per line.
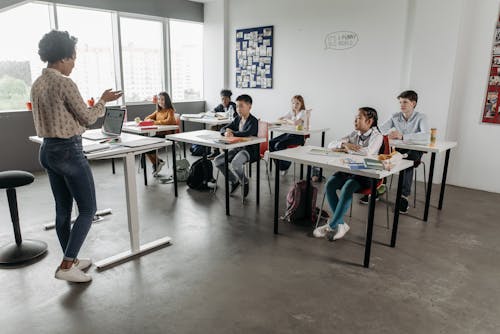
(228, 275)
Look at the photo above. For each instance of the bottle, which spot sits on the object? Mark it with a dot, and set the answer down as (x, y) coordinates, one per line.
(230, 112)
(124, 108)
(433, 137)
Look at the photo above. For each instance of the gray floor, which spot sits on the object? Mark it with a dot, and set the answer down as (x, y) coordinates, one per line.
(228, 275)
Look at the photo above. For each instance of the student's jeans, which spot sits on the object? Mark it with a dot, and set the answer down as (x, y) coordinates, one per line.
(70, 177)
(237, 158)
(408, 177)
(348, 186)
(282, 142)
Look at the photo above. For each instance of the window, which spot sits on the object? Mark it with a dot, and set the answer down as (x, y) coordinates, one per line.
(94, 67)
(186, 46)
(20, 64)
(143, 59)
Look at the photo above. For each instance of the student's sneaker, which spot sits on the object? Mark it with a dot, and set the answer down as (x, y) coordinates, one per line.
(342, 229)
(322, 231)
(157, 167)
(213, 155)
(246, 188)
(283, 172)
(366, 199)
(403, 205)
(72, 274)
(266, 157)
(82, 264)
(234, 186)
(211, 184)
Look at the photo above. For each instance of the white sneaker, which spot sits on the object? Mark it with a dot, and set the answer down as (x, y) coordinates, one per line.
(211, 185)
(342, 229)
(266, 156)
(72, 274)
(283, 172)
(82, 264)
(322, 231)
(160, 165)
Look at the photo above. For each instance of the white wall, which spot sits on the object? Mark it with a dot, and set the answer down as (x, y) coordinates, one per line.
(477, 159)
(441, 49)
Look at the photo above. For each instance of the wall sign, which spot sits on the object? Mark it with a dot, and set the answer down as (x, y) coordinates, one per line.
(341, 40)
(490, 111)
(254, 57)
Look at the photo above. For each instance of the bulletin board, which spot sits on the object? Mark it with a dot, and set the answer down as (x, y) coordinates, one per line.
(254, 57)
(491, 112)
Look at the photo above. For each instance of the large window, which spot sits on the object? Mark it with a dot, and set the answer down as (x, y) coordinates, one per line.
(142, 56)
(186, 47)
(21, 28)
(94, 66)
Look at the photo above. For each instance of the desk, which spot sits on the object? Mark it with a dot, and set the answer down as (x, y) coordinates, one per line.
(207, 138)
(443, 146)
(205, 120)
(128, 154)
(131, 127)
(301, 155)
(292, 130)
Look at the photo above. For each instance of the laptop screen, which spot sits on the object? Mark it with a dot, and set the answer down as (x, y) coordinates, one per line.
(113, 121)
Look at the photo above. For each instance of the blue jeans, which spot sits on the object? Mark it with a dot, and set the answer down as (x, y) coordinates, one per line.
(70, 177)
(281, 143)
(348, 186)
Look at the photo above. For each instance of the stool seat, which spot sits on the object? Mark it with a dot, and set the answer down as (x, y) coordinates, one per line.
(15, 178)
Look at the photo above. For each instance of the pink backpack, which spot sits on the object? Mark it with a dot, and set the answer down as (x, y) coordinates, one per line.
(296, 205)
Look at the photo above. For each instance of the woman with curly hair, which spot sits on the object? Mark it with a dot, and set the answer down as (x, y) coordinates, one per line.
(61, 116)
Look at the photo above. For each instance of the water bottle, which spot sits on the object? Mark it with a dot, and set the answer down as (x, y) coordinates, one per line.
(230, 112)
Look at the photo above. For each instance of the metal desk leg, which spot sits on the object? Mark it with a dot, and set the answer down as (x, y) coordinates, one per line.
(113, 165)
(369, 228)
(322, 145)
(271, 165)
(258, 180)
(276, 195)
(143, 158)
(309, 193)
(184, 143)
(443, 180)
(396, 209)
(226, 179)
(174, 168)
(429, 187)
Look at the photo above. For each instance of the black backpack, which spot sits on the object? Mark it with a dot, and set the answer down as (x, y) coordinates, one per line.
(200, 173)
(198, 150)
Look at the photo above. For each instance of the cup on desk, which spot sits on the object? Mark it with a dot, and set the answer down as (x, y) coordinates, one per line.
(29, 106)
(433, 136)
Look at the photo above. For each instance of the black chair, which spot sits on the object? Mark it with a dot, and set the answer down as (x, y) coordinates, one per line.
(21, 250)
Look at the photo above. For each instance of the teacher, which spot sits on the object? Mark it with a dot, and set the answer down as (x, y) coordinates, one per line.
(60, 116)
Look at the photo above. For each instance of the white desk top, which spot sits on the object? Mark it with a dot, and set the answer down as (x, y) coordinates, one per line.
(116, 150)
(440, 146)
(292, 130)
(206, 120)
(334, 161)
(208, 137)
(132, 127)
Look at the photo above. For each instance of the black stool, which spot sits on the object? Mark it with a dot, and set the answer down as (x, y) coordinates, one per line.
(21, 250)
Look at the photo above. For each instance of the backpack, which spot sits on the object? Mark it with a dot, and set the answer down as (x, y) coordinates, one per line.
(182, 170)
(200, 173)
(296, 203)
(198, 150)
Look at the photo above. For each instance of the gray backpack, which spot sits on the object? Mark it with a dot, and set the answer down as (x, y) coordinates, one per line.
(182, 170)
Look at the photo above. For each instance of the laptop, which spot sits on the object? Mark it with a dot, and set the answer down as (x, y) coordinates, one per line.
(112, 126)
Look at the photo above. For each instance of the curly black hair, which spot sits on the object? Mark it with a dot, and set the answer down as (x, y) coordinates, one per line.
(56, 45)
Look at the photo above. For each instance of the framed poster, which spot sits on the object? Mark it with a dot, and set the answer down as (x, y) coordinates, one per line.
(254, 57)
(490, 112)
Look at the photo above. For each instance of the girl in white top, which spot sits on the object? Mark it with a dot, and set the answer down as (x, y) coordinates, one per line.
(366, 139)
(294, 117)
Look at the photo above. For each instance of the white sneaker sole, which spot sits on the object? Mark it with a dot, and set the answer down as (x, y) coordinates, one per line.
(340, 235)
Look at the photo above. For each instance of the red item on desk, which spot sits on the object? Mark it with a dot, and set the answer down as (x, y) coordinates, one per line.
(146, 123)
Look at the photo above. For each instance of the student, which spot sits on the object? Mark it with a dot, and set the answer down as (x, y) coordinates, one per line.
(60, 116)
(294, 117)
(163, 115)
(244, 125)
(226, 106)
(365, 140)
(410, 125)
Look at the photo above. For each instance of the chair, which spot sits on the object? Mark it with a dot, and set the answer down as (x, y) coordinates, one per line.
(416, 164)
(384, 149)
(21, 250)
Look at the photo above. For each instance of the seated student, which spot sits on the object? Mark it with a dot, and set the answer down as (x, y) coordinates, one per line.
(411, 125)
(164, 115)
(227, 106)
(294, 117)
(365, 140)
(244, 125)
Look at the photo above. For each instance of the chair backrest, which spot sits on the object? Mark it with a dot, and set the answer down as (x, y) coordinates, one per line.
(263, 132)
(178, 122)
